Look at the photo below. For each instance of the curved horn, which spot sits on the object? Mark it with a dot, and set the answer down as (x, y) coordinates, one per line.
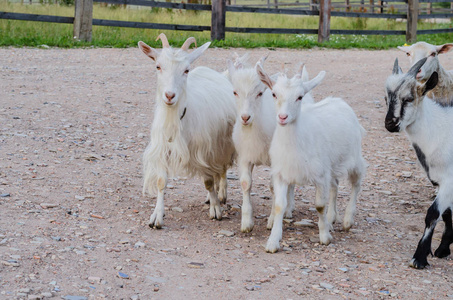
(164, 40)
(189, 42)
(415, 68)
(396, 68)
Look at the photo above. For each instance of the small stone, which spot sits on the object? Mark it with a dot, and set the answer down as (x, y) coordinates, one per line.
(235, 207)
(288, 221)
(47, 295)
(34, 297)
(195, 265)
(226, 233)
(383, 292)
(406, 174)
(5, 195)
(49, 205)
(123, 275)
(93, 279)
(24, 291)
(177, 209)
(139, 245)
(326, 285)
(135, 297)
(56, 238)
(305, 223)
(314, 239)
(80, 198)
(156, 289)
(344, 269)
(75, 298)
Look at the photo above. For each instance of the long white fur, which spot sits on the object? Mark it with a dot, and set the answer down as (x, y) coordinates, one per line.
(192, 136)
(443, 92)
(252, 138)
(316, 144)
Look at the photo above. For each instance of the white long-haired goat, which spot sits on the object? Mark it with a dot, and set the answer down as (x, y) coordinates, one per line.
(429, 127)
(192, 126)
(314, 143)
(443, 92)
(252, 133)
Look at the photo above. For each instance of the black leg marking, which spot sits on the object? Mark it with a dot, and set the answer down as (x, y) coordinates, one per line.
(420, 259)
(447, 236)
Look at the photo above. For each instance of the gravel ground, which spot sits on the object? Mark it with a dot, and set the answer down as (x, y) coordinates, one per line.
(73, 222)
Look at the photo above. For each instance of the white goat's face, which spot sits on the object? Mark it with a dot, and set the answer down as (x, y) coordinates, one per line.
(249, 92)
(288, 93)
(172, 72)
(404, 95)
(172, 67)
(420, 50)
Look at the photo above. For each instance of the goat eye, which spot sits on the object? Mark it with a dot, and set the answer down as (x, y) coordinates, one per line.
(236, 94)
(273, 95)
(186, 71)
(158, 68)
(260, 94)
(299, 98)
(408, 54)
(433, 54)
(408, 99)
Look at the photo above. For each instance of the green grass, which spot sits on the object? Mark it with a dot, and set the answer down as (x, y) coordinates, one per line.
(35, 34)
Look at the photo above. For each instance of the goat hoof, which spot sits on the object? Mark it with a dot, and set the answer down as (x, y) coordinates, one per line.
(271, 247)
(419, 263)
(325, 239)
(442, 251)
(246, 229)
(215, 213)
(222, 200)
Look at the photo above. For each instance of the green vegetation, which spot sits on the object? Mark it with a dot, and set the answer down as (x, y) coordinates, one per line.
(34, 34)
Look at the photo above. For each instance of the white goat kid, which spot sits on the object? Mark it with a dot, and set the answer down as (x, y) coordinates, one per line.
(443, 92)
(314, 143)
(192, 126)
(252, 133)
(429, 127)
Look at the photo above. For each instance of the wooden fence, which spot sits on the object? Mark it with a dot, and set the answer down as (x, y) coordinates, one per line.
(324, 9)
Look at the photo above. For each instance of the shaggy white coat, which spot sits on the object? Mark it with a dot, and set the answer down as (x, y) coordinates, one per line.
(192, 136)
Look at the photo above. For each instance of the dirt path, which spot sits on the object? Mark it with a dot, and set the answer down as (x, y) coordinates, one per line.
(73, 127)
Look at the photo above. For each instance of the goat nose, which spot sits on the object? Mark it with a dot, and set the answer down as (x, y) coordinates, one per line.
(170, 95)
(282, 116)
(245, 118)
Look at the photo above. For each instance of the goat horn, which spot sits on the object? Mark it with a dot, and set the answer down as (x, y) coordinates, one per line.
(301, 68)
(415, 68)
(189, 42)
(164, 40)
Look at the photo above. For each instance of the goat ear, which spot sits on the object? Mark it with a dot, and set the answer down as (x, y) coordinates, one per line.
(305, 76)
(150, 52)
(444, 48)
(396, 68)
(431, 83)
(231, 68)
(197, 52)
(311, 84)
(264, 77)
(405, 48)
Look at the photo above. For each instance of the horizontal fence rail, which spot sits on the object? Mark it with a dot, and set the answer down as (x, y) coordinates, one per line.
(324, 9)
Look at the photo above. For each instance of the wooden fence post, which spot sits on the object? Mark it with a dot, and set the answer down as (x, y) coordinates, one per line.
(218, 20)
(412, 18)
(83, 20)
(325, 7)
